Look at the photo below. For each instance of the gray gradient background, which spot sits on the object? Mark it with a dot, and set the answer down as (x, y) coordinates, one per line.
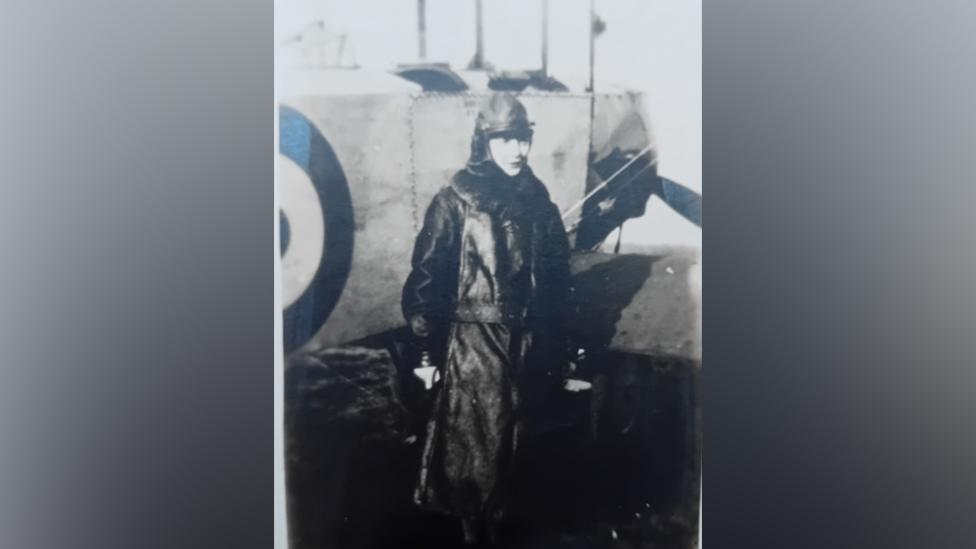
(136, 338)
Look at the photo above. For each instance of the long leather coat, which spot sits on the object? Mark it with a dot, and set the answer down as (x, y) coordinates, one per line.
(489, 286)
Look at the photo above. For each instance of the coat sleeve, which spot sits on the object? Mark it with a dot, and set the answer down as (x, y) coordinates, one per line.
(554, 260)
(428, 291)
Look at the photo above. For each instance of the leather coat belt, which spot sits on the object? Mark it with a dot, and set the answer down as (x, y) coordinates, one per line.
(495, 313)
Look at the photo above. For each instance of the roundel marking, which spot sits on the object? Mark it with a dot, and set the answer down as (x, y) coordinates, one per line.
(317, 207)
(302, 211)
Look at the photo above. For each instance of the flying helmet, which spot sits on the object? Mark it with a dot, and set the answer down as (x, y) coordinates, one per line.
(503, 113)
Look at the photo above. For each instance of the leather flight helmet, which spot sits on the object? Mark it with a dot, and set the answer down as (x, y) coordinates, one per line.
(503, 113)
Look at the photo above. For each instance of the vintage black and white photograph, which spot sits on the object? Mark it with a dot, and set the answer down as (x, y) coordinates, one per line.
(489, 231)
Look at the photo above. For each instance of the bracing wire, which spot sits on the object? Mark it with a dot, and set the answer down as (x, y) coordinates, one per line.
(577, 205)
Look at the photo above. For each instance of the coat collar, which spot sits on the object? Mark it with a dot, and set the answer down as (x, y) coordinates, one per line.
(492, 189)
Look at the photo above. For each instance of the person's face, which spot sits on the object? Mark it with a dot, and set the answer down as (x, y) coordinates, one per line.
(510, 151)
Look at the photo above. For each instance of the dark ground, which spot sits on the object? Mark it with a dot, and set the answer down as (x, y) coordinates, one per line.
(619, 472)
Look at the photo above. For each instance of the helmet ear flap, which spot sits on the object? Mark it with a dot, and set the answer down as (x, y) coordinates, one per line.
(479, 148)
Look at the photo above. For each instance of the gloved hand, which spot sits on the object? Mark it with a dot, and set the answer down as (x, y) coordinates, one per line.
(572, 383)
(419, 326)
(576, 385)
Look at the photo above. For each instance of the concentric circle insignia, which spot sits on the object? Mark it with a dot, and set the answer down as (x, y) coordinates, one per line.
(316, 208)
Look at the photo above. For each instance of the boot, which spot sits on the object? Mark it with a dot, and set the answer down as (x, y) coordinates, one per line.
(493, 523)
(492, 532)
(470, 529)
